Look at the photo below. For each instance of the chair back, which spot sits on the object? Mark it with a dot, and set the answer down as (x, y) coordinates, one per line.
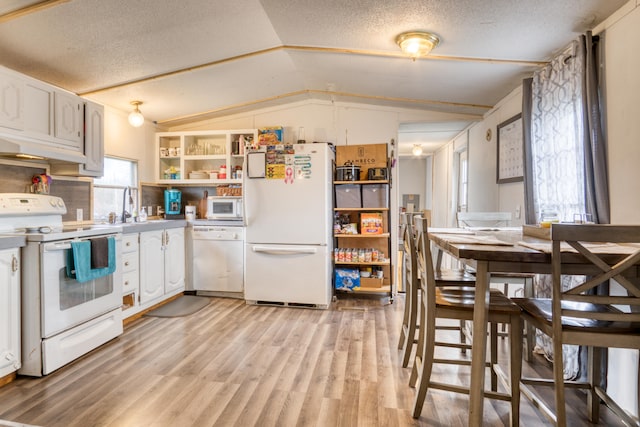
(483, 219)
(410, 274)
(424, 260)
(613, 252)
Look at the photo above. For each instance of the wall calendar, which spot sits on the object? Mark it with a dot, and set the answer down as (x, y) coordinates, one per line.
(510, 150)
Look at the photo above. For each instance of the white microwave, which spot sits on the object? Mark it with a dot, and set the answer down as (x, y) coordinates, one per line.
(224, 207)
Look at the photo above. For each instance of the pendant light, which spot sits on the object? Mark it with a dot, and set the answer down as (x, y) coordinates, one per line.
(136, 119)
(416, 150)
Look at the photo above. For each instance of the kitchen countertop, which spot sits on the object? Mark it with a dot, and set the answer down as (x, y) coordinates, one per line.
(10, 242)
(156, 224)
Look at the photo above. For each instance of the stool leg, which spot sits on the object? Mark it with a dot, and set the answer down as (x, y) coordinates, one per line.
(407, 309)
(594, 360)
(411, 327)
(424, 378)
(493, 354)
(558, 377)
(515, 367)
(531, 331)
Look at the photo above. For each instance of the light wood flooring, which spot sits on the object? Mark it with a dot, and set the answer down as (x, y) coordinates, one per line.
(232, 364)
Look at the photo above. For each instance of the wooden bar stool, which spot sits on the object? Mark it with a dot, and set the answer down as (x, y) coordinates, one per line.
(456, 302)
(410, 277)
(582, 317)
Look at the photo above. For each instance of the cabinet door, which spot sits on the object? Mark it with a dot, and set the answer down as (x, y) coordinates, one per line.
(9, 311)
(174, 259)
(68, 113)
(11, 102)
(38, 109)
(151, 265)
(94, 139)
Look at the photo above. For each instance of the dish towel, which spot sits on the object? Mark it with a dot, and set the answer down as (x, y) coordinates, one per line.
(79, 261)
(99, 252)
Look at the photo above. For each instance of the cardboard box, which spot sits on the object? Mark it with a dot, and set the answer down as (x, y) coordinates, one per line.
(537, 231)
(366, 156)
(371, 282)
(270, 136)
(371, 223)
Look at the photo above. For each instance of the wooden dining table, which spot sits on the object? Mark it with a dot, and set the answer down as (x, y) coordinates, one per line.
(494, 251)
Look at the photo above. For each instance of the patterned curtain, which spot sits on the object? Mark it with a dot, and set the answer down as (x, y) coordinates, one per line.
(555, 165)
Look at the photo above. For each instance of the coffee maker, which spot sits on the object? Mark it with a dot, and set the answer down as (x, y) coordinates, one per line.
(172, 203)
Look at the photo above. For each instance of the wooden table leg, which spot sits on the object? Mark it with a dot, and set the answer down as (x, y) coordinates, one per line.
(479, 346)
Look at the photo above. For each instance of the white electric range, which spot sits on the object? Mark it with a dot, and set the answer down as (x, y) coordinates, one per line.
(62, 319)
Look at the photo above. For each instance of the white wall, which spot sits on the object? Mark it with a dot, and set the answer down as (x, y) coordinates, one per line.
(484, 193)
(413, 172)
(123, 140)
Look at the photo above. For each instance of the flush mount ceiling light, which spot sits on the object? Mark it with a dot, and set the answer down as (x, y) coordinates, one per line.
(416, 150)
(136, 119)
(417, 44)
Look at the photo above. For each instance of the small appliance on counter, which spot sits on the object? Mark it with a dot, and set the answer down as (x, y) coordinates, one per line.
(348, 172)
(173, 204)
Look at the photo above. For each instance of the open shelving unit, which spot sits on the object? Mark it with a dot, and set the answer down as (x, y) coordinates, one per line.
(378, 240)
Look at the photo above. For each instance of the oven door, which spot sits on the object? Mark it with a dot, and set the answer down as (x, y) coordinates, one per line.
(66, 302)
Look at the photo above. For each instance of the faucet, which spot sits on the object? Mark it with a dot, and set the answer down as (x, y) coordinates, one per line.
(126, 214)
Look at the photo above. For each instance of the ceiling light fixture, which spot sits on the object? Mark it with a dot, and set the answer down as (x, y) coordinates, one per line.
(136, 119)
(417, 44)
(416, 150)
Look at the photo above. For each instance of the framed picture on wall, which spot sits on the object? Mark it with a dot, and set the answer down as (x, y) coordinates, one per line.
(510, 150)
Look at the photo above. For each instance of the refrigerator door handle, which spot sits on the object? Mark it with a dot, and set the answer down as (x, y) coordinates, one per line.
(279, 250)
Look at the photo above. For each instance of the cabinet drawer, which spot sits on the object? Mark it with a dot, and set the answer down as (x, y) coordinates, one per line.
(130, 282)
(129, 243)
(130, 262)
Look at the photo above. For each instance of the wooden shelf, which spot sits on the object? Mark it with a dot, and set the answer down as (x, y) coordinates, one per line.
(368, 181)
(360, 209)
(381, 290)
(385, 262)
(362, 236)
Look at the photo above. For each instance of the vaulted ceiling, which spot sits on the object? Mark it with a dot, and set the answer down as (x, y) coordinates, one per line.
(189, 60)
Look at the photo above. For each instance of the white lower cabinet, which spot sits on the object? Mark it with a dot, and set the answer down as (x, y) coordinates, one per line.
(9, 311)
(130, 268)
(162, 263)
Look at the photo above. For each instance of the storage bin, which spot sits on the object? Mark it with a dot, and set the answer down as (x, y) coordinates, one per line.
(348, 196)
(375, 196)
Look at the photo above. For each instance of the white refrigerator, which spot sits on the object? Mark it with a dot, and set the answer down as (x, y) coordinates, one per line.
(288, 202)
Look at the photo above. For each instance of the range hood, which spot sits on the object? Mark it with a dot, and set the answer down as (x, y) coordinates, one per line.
(29, 149)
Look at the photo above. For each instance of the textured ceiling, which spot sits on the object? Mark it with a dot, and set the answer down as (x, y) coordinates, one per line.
(192, 59)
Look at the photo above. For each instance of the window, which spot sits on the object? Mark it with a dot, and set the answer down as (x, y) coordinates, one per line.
(109, 191)
(463, 180)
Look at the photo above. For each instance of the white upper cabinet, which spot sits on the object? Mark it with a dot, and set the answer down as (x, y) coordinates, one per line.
(43, 115)
(202, 157)
(69, 119)
(94, 138)
(11, 102)
(38, 113)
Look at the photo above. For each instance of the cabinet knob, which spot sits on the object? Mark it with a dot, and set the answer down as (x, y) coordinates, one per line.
(126, 283)
(126, 263)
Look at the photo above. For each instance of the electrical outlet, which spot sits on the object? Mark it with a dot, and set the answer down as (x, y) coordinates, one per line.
(79, 215)
(517, 215)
